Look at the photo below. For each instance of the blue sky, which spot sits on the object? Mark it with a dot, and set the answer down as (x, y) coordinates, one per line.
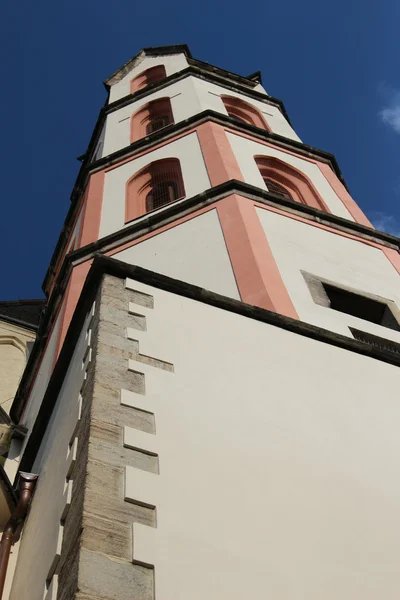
(334, 64)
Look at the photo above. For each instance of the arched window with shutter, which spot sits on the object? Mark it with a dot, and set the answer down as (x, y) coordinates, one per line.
(243, 111)
(276, 188)
(150, 118)
(152, 75)
(158, 184)
(281, 179)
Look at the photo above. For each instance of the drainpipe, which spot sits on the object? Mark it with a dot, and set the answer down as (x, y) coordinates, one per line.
(27, 482)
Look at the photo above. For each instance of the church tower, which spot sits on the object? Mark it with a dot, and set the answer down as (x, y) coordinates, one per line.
(211, 404)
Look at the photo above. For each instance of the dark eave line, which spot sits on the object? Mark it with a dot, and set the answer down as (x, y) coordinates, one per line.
(103, 265)
(150, 51)
(227, 82)
(210, 115)
(176, 210)
(18, 322)
(251, 80)
(156, 220)
(148, 142)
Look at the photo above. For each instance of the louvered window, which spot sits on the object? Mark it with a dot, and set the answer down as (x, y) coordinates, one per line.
(157, 123)
(154, 186)
(161, 193)
(277, 189)
(148, 77)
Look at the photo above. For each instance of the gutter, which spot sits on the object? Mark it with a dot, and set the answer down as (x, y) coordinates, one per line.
(27, 482)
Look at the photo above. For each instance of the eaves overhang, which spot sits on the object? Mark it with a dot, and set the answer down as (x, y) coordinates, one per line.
(227, 80)
(156, 220)
(251, 80)
(150, 51)
(103, 265)
(164, 134)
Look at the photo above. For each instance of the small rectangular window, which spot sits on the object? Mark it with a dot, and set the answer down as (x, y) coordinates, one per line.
(375, 340)
(360, 306)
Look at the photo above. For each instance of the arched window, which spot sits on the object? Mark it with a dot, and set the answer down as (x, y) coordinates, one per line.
(150, 118)
(285, 181)
(241, 110)
(148, 77)
(277, 189)
(154, 186)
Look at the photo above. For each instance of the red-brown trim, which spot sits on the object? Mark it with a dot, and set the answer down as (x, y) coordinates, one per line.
(325, 169)
(149, 76)
(344, 195)
(257, 275)
(73, 291)
(296, 182)
(91, 217)
(161, 107)
(392, 255)
(244, 111)
(218, 155)
(138, 186)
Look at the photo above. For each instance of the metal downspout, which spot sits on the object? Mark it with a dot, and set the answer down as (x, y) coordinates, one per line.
(27, 482)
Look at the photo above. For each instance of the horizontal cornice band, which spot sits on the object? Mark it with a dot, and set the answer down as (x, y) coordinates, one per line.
(172, 130)
(104, 265)
(177, 210)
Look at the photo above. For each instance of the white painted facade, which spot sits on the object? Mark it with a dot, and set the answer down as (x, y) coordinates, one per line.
(184, 104)
(195, 178)
(42, 379)
(172, 62)
(278, 461)
(54, 463)
(298, 246)
(209, 95)
(245, 150)
(194, 252)
(188, 97)
(278, 454)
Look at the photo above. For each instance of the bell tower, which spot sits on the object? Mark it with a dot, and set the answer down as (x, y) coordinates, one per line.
(211, 403)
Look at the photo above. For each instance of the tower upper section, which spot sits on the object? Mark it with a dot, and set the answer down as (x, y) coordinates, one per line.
(210, 126)
(197, 173)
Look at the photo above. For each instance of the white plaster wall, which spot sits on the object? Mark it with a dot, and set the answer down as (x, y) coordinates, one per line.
(195, 178)
(259, 88)
(194, 252)
(188, 97)
(209, 95)
(173, 63)
(278, 462)
(245, 150)
(42, 535)
(184, 104)
(41, 381)
(298, 246)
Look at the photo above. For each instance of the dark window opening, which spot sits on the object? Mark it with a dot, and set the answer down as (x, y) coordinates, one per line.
(161, 193)
(157, 123)
(361, 307)
(375, 340)
(240, 117)
(277, 189)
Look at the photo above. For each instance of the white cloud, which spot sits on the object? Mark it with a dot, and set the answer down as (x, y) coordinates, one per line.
(390, 114)
(386, 222)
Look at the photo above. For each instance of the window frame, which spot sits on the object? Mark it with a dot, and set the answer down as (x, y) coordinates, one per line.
(317, 288)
